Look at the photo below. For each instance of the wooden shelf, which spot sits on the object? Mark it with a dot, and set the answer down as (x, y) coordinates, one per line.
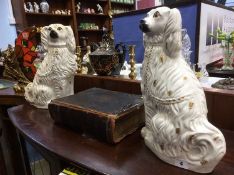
(46, 14)
(92, 14)
(89, 30)
(122, 4)
(93, 1)
(26, 19)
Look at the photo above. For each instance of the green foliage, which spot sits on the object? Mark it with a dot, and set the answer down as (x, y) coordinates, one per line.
(222, 36)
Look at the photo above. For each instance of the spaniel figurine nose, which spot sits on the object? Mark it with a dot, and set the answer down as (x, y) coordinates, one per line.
(143, 26)
(53, 34)
(142, 21)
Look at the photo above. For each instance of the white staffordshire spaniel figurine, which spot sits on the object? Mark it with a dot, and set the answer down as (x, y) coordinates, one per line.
(55, 76)
(176, 128)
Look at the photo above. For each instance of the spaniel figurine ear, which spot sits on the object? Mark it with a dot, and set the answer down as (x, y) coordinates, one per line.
(172, 34)
(70, 39)
(44, 37)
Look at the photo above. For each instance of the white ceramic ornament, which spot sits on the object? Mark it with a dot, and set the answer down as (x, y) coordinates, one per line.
(55, 76)
(176, 128)
(36, 7)
(44, 6)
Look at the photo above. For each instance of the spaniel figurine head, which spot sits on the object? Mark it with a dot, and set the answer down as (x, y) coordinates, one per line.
(58, 35)
(164, 24)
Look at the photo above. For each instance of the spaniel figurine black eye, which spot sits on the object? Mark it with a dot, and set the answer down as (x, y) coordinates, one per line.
(156, 14)
(59, 28)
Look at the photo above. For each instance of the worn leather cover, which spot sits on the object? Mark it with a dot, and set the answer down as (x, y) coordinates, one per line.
(103, 114)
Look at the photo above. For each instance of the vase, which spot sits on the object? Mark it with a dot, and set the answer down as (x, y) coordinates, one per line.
(227, 60)
(44, 6)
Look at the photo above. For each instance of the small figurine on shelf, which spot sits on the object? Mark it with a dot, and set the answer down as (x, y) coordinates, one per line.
(44, 6)
(92, 11)
(36, 7)
(99, 9)
(25, 8)
(63, 12)
(78, 5)
(58, 12)
(69, 12)
(88, 10)
(30, 7)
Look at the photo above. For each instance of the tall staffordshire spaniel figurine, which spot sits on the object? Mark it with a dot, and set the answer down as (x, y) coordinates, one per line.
(176, 128)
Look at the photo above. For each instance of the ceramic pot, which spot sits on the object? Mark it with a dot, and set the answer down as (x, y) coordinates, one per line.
(106, 59)
(121, 50)
(227, 60)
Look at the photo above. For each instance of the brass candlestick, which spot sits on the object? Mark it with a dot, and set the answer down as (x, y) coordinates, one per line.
(79, 59)
(132, 74)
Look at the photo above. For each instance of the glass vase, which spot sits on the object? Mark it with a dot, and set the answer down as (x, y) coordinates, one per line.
(228, 59)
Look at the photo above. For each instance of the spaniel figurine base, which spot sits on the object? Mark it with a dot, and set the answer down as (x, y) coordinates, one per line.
(55, 76)
(176, 128)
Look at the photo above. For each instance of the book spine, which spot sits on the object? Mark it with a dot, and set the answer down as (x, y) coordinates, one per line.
(93, 124)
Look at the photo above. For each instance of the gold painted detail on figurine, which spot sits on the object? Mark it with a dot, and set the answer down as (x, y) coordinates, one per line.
(161, 58)
(191, 104)
(203, 162)
(169, 93)
(177, 130)
(162, 147)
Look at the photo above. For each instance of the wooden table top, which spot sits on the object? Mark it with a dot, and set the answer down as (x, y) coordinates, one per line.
(129, 157)
(9, 97)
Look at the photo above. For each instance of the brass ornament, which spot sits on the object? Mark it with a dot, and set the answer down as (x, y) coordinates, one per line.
(132, 74)
(12, 70)
(79, 59)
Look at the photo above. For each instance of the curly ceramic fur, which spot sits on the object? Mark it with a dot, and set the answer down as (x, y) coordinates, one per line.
(55, 76)
(177, 129)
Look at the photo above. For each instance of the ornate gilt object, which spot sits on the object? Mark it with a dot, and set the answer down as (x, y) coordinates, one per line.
(12, 70)
(79, 59)
(19, 61)
(132, 74)
(107, 59)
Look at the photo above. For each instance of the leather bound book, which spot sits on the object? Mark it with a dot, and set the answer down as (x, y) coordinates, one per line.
(103, 114)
